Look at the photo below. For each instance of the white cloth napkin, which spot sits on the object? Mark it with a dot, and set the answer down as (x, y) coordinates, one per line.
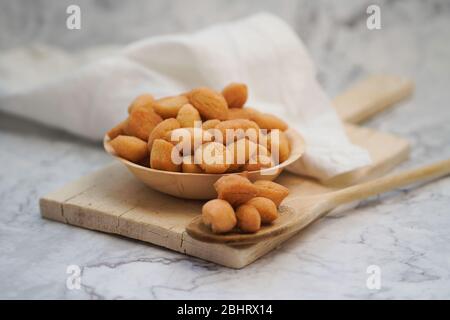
(262, 51)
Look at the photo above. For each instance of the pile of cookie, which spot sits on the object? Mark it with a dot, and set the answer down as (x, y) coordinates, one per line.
(242, 204)
(190, 133)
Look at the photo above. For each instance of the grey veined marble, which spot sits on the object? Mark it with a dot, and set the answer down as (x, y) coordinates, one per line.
(406, 233)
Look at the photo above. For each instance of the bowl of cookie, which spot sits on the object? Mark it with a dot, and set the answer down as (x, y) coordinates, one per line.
(183, 144)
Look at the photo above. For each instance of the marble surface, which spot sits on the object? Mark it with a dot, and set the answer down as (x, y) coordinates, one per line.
(406, 232)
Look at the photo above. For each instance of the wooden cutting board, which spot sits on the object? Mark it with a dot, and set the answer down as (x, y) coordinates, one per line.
(112, 200)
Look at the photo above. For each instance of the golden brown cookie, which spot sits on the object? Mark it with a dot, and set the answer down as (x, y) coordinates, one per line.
(144, 100)
(248, 218)
(145, 162)
(211, 157)
(271, 190)
(219, 215)
(278, 141)
(241, 151)
(188, 116)
(161, 157)
(117, 130)
(168, 107)
(263, 120)
(210, 124)
(260, 159)
(235, 189)
(189, 166)
(210, 104)
(266, 209)
(241, 113)
(235, 94)
(188, 139)
(236, 129)
(141, 122)
(269, 121)
(258, 163)
(129, 148)
(161, 129)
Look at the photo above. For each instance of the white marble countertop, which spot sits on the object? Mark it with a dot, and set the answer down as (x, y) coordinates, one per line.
(405, 233)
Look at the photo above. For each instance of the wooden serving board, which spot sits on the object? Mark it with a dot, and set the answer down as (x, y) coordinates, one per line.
(112, 200)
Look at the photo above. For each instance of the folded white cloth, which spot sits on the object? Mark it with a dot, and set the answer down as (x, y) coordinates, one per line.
(262, 51)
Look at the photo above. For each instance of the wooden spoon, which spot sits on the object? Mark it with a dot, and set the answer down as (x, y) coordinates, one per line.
(299, 212)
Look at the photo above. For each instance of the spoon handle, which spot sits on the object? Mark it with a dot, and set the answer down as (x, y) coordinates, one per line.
(380, 185)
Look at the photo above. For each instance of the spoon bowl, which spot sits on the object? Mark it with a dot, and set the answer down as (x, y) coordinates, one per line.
(200, 186)
(299, 212)
(198, 230)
